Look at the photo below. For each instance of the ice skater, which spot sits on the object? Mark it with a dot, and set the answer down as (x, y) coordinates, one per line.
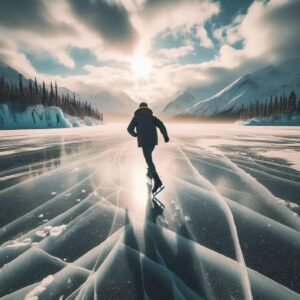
(143, 126)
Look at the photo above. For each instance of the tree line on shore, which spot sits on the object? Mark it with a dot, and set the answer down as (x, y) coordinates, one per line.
(272, 107)
(22, 95)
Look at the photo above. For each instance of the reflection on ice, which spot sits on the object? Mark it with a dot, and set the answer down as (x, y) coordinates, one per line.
(79, 205)
(292, 156)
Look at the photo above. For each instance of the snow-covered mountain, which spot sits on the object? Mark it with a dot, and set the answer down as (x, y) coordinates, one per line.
(183, 100)
(10, 74)
(106, 101)
(113, 102)
(271, 80)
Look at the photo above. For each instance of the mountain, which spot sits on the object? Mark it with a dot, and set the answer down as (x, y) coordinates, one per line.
(113, 102)
(228, 99)
(271, 80)
(182, 101)
(10, 74)
(106, 101)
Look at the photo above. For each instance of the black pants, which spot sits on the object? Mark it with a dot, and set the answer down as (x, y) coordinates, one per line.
(147, 151)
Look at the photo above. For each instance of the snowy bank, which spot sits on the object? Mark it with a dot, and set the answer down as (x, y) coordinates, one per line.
(79, 122)
(39, 116)
(279, 120)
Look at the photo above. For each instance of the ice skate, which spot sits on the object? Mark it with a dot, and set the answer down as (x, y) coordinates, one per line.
(158, 186)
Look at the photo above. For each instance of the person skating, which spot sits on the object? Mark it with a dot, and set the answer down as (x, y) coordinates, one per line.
(143, 126)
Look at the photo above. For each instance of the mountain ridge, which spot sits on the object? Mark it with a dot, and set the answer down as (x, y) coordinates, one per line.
(118, 103)
(273, 80)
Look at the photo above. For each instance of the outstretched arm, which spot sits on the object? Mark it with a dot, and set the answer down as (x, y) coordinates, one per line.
(162, 129)
(131, 127)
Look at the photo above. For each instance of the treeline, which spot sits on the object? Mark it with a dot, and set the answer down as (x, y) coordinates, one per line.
(271, 107)
(21, 95)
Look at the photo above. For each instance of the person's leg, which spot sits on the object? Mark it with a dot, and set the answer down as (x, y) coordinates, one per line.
(147, 151)
(148, 157)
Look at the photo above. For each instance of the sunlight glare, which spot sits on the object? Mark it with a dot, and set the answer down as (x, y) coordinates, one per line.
(141, 67)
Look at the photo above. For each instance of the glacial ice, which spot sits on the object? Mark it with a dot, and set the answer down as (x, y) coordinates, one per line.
(38, 116)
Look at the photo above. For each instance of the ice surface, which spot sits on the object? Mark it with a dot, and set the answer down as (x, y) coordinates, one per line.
(33, 295)
(80, 207)
(292, 156)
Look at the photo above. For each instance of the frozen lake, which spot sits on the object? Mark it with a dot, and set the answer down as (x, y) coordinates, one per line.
(77, 221)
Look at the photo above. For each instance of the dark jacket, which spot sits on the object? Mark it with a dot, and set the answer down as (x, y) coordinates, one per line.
(143, 125)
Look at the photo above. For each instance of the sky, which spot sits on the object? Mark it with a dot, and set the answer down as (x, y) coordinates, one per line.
(149, 49)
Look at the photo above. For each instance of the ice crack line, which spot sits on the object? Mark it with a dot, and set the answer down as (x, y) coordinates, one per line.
(231, 223)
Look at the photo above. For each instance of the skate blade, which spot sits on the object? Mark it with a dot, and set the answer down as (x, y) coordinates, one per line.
(159, 190)
(158, 203)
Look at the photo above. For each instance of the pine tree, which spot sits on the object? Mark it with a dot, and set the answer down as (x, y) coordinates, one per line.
(44, 95)
(266, 107)
(56, 94)
(34, 93)
(280, 108)
(21, 89)
(276, 105)
(298, 106)
(51, 96)
(271, 107)
(292, 102)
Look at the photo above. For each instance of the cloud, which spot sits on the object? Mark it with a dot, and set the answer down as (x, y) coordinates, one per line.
(205, 41)
(152, 18)
(269, 30)
(272, 29)
(230, 34)
(174, 53)
(27, 14)
(30, 15)
(182, 16)
(117, 30)
(110, 20)
(35, 27)
(16, 59)
(268, 34)
(46, 34)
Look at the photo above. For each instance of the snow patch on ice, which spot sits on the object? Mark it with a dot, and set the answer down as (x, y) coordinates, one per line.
(56, 231)
(41, 233)
(78, 122)
(293, 205)
(49, 227)
(187, 218)
(19, 244)
(34, 294)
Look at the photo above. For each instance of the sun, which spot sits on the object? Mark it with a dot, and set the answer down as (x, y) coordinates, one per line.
(141, 67)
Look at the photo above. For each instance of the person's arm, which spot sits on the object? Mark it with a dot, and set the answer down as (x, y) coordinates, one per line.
(131, 127)
(162, 128)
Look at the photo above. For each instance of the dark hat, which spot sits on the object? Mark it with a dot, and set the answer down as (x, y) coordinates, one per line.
(143, 104)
